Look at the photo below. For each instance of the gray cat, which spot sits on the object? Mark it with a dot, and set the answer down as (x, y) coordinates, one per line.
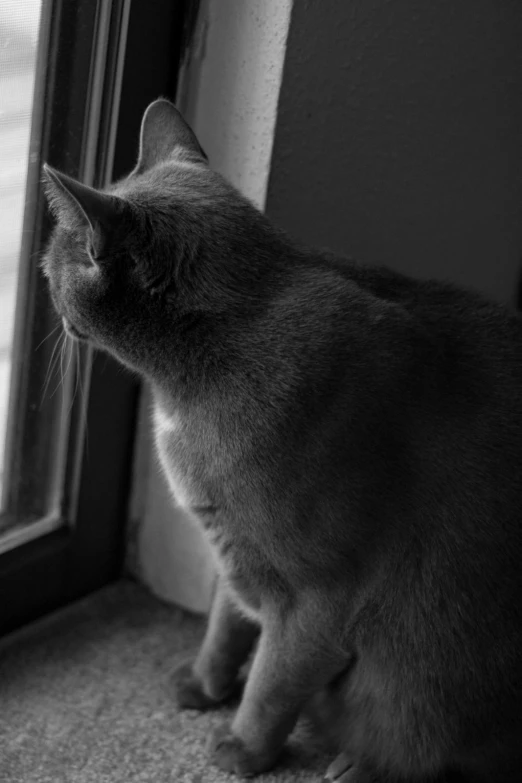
(350, 439)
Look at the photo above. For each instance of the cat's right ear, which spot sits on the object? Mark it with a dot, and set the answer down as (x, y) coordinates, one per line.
(85, 211)
(163, 130)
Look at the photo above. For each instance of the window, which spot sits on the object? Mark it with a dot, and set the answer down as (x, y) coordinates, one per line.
(75, 79)
(19, 27)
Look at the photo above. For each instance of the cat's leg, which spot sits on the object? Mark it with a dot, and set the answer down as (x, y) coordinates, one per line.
(212, 678)
(294, 659)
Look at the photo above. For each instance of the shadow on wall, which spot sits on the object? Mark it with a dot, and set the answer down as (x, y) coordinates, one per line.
(399, 136)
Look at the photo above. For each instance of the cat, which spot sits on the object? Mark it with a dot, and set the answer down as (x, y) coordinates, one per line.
(349, 439)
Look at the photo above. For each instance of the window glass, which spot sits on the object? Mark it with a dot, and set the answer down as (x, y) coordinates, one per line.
(19, 26)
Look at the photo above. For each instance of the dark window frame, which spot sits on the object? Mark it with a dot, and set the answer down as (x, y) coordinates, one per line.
(87, 552)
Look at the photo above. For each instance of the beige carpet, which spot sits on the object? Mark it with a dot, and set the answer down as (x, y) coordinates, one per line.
(85, 698)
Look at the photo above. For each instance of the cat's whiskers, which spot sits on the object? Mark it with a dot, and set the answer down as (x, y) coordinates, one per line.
(74, 349)
(52, 367)
(63, 352)
(69, 349)
(47, 337)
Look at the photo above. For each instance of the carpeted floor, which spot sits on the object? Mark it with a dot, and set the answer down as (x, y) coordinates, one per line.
(85, 698)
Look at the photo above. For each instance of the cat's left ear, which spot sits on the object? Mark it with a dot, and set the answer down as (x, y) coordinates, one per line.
(163, 130)
(81, 209)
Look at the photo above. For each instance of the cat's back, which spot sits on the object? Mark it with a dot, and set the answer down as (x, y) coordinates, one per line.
(445, 307)
(463, 363)
(417, 390)
(472, 342)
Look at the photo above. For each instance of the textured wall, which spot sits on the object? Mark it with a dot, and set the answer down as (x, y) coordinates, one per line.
(239, 55)
(399, 135)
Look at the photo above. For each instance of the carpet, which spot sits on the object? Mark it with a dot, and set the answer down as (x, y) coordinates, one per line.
(85, 697)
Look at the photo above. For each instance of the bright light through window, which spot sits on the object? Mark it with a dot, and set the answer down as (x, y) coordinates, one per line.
(19, 25)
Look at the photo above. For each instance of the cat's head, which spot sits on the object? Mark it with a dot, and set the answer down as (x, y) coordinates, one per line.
(125, 264)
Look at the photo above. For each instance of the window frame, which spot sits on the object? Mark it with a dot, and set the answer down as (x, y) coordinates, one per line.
(87, 550)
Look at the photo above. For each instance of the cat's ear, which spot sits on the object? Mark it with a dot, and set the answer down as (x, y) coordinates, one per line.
(81, 209)
(163, 129)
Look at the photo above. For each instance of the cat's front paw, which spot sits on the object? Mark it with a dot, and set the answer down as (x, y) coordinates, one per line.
(189, 690)
(230, 754)
(343, 769)
(191, 694)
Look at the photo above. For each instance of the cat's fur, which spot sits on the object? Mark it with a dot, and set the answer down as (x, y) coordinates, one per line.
(349, 438)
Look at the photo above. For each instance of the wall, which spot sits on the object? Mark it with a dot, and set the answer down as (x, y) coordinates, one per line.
(232, 90)
(399, 135)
